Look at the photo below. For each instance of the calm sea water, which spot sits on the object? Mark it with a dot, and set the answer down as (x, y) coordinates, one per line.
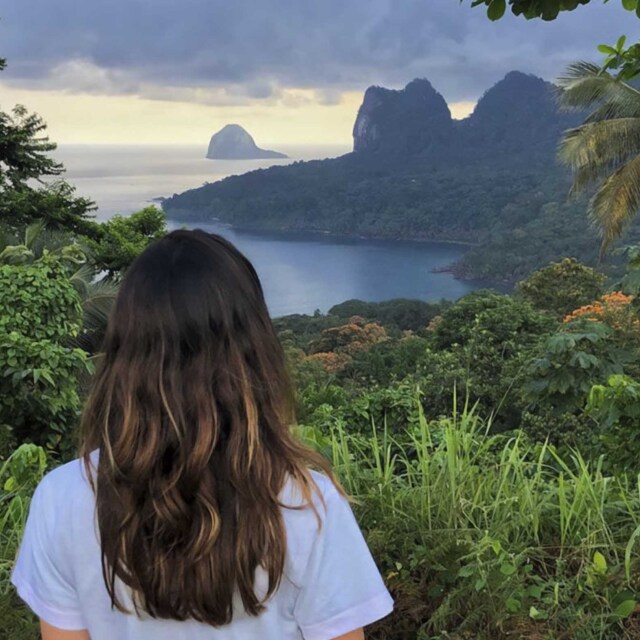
(300, 272)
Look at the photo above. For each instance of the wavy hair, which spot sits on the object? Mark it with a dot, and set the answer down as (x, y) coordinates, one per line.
(191, 410)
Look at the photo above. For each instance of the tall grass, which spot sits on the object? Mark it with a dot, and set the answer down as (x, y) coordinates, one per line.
(491, 536)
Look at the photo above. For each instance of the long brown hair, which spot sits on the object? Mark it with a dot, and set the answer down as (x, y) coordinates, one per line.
(191, 411)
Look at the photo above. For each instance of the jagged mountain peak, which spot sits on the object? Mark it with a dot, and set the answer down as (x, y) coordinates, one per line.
(401, 120)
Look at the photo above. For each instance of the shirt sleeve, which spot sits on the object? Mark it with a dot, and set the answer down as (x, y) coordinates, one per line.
(38, 575)
(341, 588)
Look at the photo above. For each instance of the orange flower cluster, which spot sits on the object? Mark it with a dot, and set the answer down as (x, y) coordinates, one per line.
(337, 345)
(332, 362)
(608, 303)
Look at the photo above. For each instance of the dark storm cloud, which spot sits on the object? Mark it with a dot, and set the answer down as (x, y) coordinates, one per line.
(244, 50)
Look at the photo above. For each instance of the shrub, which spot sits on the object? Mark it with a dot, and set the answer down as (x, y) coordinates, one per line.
(39, 312)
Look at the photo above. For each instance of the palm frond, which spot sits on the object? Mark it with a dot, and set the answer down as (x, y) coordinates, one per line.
(96, 304)
(97, 298)
(49, 239)
(33, 231)
(616, 203)
(584, 85)
(595, 149)
(83, 278)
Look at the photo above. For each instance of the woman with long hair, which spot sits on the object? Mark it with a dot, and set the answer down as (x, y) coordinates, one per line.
(192, 511)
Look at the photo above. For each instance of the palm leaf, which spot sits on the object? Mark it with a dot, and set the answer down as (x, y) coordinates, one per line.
(97, 298)
(595, 149)
(584, 85)
(617, 202)
(33, 231)
(97, 304)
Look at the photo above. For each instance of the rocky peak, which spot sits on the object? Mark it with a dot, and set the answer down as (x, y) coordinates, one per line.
(406, 121)
(518, 112)
(233, 142)
(517, 93)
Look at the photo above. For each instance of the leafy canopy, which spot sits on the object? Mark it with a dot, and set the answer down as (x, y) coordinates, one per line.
(39, 311)
(545, 9)
(123, 238)
(28, 189)
(562, 286)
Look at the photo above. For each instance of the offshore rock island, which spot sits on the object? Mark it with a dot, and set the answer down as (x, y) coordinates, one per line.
(233, 142)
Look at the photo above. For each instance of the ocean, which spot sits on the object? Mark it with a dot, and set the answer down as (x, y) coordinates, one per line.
(300, 272)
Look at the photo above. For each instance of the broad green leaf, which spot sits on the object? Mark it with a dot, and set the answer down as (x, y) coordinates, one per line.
(606, 49)
(496, 9)
(625, 609)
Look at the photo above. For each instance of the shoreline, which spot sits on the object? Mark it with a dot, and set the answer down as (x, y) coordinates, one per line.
(319, 232)
(454, 268)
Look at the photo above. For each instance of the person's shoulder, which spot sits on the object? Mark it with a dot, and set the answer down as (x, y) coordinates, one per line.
(326, 488)
(322, 491)
(65, 482)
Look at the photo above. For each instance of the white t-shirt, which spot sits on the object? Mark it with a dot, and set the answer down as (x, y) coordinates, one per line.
(330, 584)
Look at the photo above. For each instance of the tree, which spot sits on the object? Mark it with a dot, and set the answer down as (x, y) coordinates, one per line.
(604, 152)
(562, 286)
(122, 239)
(25, 160)
(545, 9)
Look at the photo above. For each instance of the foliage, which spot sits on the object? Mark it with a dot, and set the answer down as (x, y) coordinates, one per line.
(19, 475)
(618, 312)
(24, 149)
(604, 152)
(544, 9)
(616, 407)
(630, 281)
(492, 336)
(24, 161)
(39, 311)
(562, 286)
(491, 537)
(581, 354)
(399, 314)
(356, 335)
(122, 239)
(487, 315)
(623, 62)
(390, 360)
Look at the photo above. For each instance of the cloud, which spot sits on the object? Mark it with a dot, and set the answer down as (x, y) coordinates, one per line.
(215, 52)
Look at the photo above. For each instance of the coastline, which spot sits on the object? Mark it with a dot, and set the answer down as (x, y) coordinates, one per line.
(455, 268)
(186, 218)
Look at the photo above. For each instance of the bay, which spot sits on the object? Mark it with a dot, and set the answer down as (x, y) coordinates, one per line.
(300, 272)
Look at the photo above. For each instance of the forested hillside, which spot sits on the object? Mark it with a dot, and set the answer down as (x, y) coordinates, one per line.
(491, 180)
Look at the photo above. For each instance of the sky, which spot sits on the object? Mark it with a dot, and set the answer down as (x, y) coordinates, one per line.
(290, 71)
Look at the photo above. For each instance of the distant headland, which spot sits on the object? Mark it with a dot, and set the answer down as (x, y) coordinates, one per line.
(233, 142)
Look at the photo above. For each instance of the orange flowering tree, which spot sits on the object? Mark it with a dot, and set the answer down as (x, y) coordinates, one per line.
(336, 346)
(617, 311)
